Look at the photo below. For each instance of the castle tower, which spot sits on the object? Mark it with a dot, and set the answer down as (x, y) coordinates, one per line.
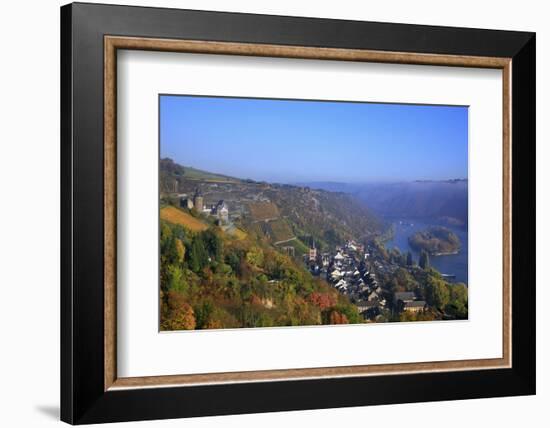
(198, 200)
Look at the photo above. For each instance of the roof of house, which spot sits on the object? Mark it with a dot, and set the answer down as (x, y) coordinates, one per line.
(404, 295)
(341, 283)
(367, 303)
(415, 304)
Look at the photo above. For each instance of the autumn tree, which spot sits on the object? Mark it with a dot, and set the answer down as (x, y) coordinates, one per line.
(336, 317)
(350, 313)
(255, 257)
(180, 250)
(177, 313)
(322, 300)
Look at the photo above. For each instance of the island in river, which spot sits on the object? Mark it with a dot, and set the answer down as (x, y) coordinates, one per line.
(436, 241)
(455, 265)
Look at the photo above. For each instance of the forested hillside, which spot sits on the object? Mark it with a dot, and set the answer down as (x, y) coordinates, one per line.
(210, 279)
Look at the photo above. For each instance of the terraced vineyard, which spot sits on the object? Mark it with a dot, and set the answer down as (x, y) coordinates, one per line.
(262, 211)
(280, 231)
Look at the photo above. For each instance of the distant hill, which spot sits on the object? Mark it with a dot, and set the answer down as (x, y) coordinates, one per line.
(172, 173)
(328, 217)
(445, 200)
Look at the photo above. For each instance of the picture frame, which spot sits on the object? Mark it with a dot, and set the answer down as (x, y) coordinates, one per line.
(91, 390)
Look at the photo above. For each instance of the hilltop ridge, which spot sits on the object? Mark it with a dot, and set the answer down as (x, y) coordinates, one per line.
(446, 200)
(280, 213)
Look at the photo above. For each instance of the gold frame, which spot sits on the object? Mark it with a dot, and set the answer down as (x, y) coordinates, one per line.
(112, 43)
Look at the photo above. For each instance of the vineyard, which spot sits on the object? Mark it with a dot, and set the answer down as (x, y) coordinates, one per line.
(174, 215)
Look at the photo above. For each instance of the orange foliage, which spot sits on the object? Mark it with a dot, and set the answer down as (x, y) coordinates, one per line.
(255, 300)
(338, 318)
(214, 324)
(323, 300)
(176, 216)
(179, 314)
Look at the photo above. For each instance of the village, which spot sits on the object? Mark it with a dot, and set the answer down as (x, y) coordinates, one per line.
(352, 270)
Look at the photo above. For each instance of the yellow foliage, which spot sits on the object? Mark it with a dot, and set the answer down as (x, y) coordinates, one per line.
(176, 216)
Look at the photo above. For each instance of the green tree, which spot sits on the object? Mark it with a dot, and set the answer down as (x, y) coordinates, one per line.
(395, 255)
(203, 312)
(404, 280)
(168, 251)
(198, 256)
(350, 312)
(255, 257)
(424, 260)
(175, 279)
(212, 244)
(381, 249)
(437, 292)
(233, 258)
(409, 258)
(458, 301)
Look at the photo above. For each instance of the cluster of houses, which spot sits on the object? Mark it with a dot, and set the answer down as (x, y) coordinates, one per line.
(219, 210)
(347, 270)
(351, 270)
(407, 301)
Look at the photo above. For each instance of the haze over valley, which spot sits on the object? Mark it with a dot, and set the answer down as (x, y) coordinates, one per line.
(442, 200)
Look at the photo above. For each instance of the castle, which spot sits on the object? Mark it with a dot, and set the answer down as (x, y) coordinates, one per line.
(220, 210)
(197, 202)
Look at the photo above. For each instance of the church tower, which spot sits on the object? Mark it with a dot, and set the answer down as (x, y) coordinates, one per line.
(312, 251)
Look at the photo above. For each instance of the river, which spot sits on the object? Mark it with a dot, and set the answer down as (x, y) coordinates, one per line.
(453, 264)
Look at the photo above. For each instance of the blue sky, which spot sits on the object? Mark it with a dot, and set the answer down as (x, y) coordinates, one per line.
(291, 141)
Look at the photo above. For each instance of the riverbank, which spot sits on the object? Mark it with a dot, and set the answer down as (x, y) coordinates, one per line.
(450, 253)
(454, 264)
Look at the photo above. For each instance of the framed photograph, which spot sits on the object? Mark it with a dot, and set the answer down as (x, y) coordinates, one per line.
(265, 213)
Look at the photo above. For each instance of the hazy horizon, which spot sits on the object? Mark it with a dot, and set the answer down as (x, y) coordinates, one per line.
(294, 141)
(305, 182)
